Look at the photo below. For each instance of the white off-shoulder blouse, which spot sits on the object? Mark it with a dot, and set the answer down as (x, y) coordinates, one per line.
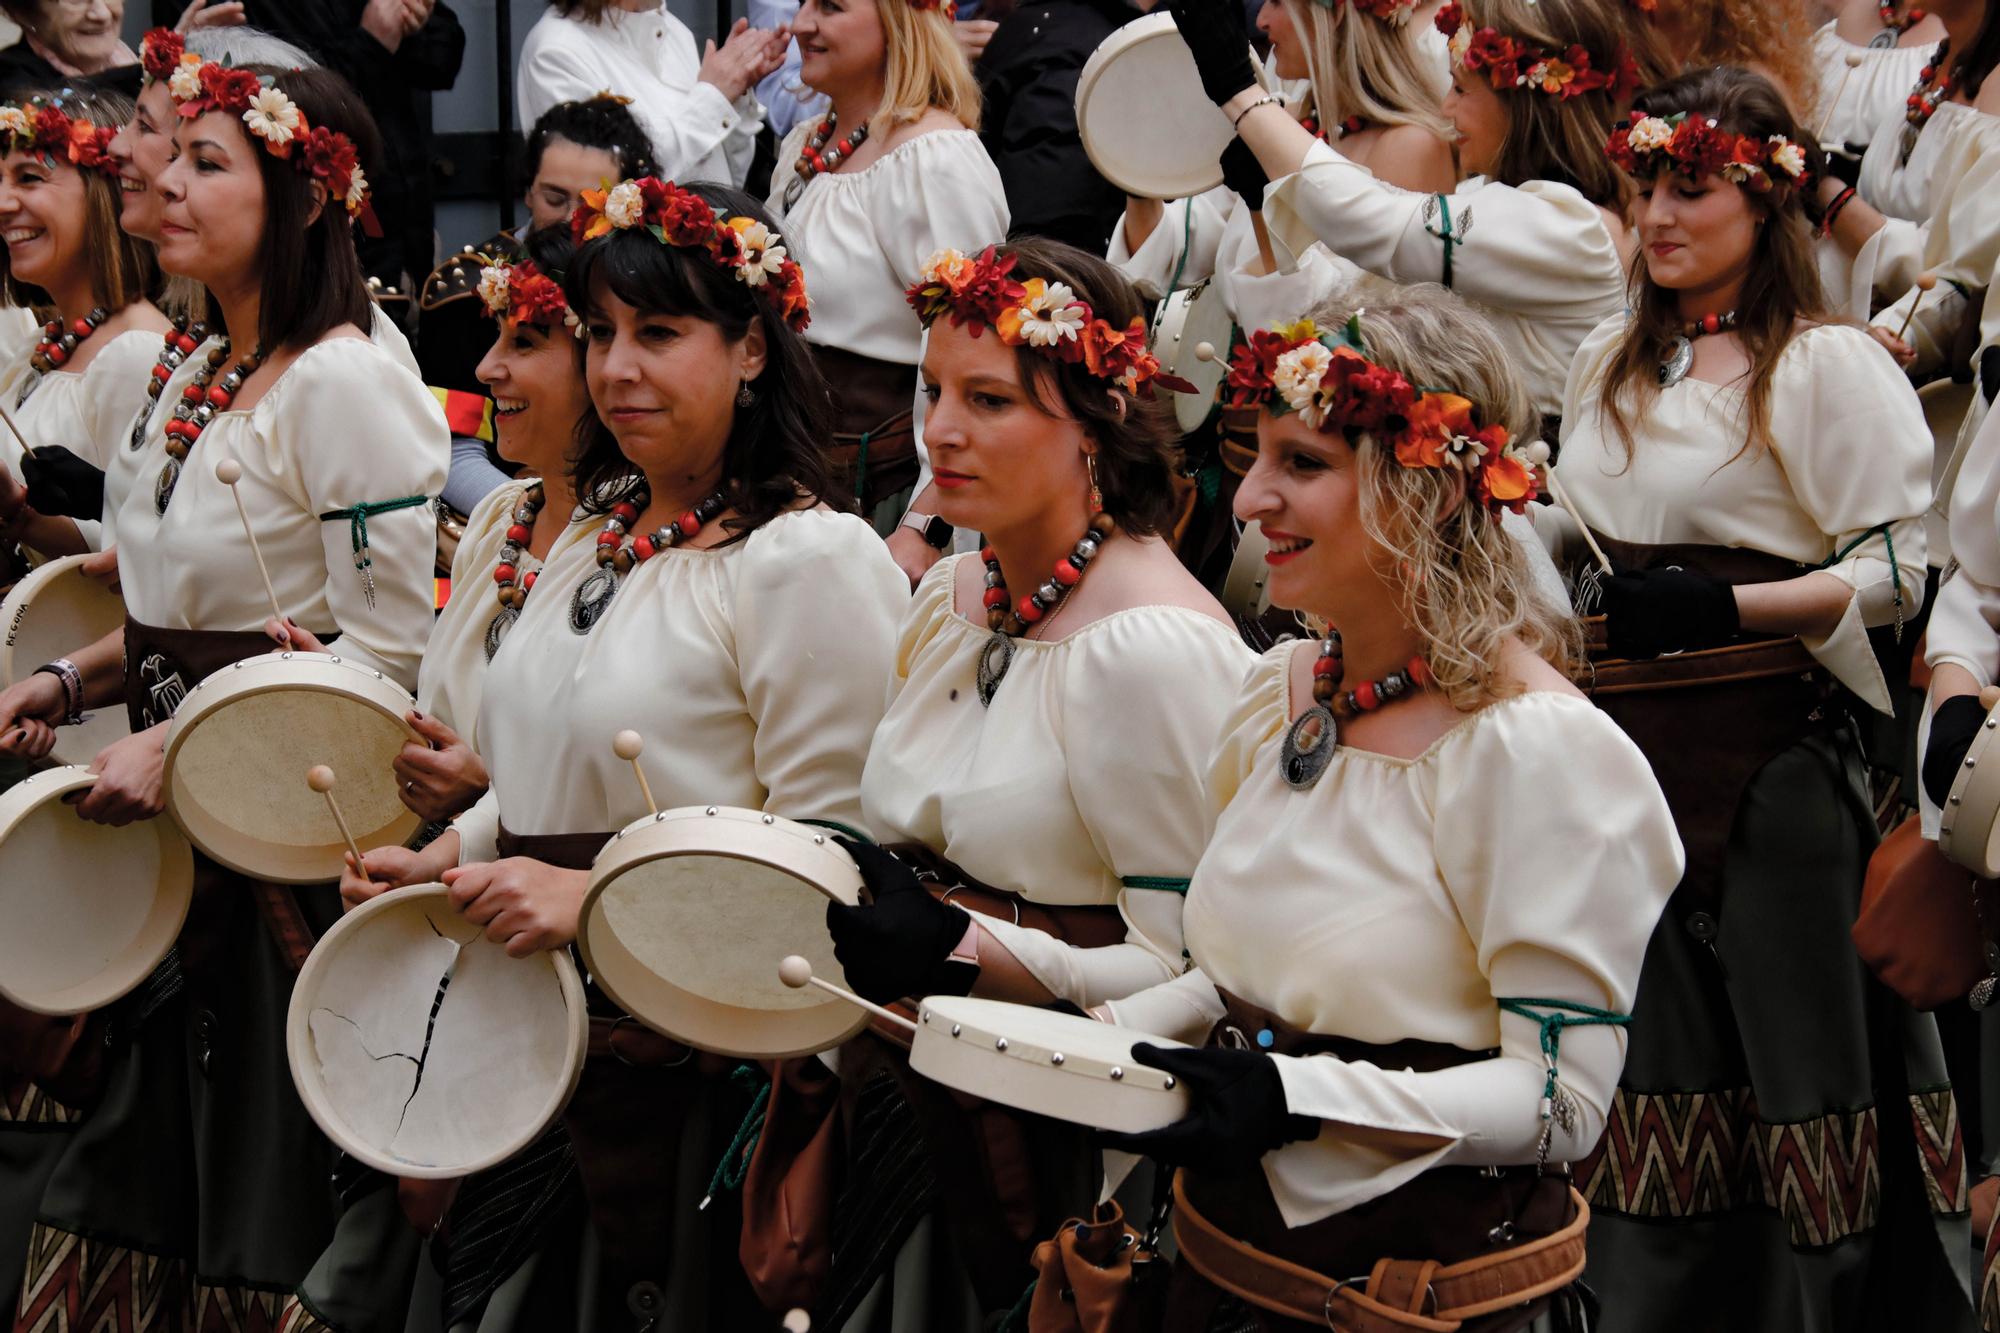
(344, 425)
(754, 672)
(1526, 854)
(1080, 785)
(88, 412)
(1858, 105)
(1844, 485)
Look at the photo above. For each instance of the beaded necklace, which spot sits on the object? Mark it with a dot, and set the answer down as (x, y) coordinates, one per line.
(57, 345)
(1935, 84)
(1007, 617)
(181, 341)
(1886, 11)
(616, 556)
(200, 401)
(812, 161)
(1315, 734)
(507, 574)
(1352, 125)
(1679, 359)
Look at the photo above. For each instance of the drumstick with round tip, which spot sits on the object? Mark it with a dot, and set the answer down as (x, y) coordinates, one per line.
(320, 778)
(228, 471)
(797, 973)
(797, 1321)
(8, 417)
(1538, 456)
(1853, 63)
(1205, 351)
(627, 746)
(1926, 281)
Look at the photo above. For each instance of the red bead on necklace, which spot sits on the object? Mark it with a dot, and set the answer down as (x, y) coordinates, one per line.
(1315, 734)
(180, 343)
(815, 158)
(200, 403)
(616, 556)
(58, 344)
(513, 585)
(1007, 616)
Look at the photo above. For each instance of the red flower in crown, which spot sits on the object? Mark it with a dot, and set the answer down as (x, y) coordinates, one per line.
(974, 293)
(1450, 18)
(223, 88)
(1493, 51)
(89, 145)
(160, 53)
(1364, 395)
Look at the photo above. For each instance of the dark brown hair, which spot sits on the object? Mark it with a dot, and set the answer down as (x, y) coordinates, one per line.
(312, 281)
(587, 11)
(775, 455)
(1137, 441)
(1782, 290)
(122, 267)
(1552, 138)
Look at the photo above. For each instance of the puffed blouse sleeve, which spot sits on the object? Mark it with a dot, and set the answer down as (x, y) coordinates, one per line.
(940, 191)
(1558, 851)
(1144, 696)
(1540, 249)
(1961, 246)
(114, 388)
(360, 431)
(815, 603)
(1181, 250)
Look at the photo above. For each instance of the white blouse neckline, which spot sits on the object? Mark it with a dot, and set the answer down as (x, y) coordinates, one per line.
(862, 173)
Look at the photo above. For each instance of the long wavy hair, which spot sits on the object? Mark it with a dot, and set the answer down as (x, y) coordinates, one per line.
(926, 67)
(1368, 67)
(1782, 291)
(1467, 585)
(1767, 34)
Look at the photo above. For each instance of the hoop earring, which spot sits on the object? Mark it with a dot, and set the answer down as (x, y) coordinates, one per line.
(1096, 496)
(744, 396)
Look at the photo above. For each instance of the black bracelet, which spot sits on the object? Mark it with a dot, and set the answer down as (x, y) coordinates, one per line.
(65, 671)
(1840, 201)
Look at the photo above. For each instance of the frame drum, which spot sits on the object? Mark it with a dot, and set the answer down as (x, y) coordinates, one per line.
(421, 1048)
(689, 913)
(1053, 1064)
(1146, 124)
(55, 610)
(1189, 318)
(237, 753)
(90, 910)
(1969, 825)
(1245, 590)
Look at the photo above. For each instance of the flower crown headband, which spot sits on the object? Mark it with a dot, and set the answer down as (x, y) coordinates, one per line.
(1696, 146)
(979, 294)
(946, 7)
(744, 246)
(41, 127)
(200, 86)
(1515, 64)
(1395, 13)
(523, 293)
(1329, 381)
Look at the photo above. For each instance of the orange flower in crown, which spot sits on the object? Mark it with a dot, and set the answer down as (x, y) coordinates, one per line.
(1697, 146)
(42, 129)
(1329, 381)
(1510, 63)
(523, 293)
(269, 114)
(673, 216)
(978, 294)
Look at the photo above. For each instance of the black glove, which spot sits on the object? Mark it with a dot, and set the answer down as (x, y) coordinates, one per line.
(1244, 174)
(1220, 44)
(1654, 611)
(59, 482)
(1844, 165)
(900, 945)
(1239, 1109)
(1957, 720)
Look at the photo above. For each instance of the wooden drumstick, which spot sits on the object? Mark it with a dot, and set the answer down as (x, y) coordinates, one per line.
(627, 745)
(1989, 697)
(8, 417)
(1263, 235)
(1538, 456)
(1926, 281)
(320, 778)
(1853, 63)
(797, 972)
(229, 472)
(1205, 351)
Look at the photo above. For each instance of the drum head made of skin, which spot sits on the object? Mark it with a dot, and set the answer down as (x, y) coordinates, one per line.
(421, 1048)
(1188, 319)
(51, 613)
(1146, 124)
(239, 749)
(89, 909)
(689, 913)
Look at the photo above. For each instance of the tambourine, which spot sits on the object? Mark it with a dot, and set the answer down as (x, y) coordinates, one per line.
(688, 913)
(1145, 122)
(421, 1048)
(57, 609)
(1191, 340)
(1969, 825)
(239, 745)
(90, 909)
(1246, 588)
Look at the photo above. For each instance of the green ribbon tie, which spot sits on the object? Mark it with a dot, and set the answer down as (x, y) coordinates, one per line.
(359, 515)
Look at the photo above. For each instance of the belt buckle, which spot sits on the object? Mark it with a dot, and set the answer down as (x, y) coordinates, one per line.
(1428, 1308)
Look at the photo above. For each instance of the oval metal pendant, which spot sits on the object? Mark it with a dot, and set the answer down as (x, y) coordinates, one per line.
(591, 599)
(994, 659)
(1884, 40)
(28, 387)
(1309, 745)
(496, 629)
(163, 490)
(1677, 362)
(139, 424)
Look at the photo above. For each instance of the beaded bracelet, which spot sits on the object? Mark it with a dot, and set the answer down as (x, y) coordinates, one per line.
(1840, 201)
(65, 671)
(1266, 100)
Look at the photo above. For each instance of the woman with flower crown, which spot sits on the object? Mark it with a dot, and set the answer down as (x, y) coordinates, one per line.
(198, 1178)
(1054, 699)
(1784, 1139)
(707, 600)
(1430, 873)
(1538, 242)
(893, 173)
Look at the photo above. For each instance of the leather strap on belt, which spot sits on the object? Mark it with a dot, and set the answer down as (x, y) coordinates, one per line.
(1710, 666)
(1399, 1294)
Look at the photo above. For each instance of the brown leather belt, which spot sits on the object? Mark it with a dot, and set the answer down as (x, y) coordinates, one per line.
(1759, 660)
(1397, 1294)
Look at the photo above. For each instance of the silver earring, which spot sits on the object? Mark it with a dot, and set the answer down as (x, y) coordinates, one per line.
(744, 397)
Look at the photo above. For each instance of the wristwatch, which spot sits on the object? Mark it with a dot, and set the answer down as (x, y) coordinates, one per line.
(935, 531)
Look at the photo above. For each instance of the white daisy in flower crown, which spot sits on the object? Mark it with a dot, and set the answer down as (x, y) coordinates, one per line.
(1297, 377)
(357, 190)
(15, 123)
(184, 84)
(1788, 157)
(1050, 314)
(273, 117)
(763, 256)
(494, 288)
(625, 205)
(1651, 134)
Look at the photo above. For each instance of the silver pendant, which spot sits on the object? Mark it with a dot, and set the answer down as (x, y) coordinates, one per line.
(496, 629)
(1982, 995)
(994, 659)
(1675, 365)
(1884, 40)
(590, 600)
(163, 490)
(139, 424)
(28, 387)
(1309, 745)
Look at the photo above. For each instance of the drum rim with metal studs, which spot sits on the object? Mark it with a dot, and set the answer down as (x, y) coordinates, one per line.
(804, 852)
(1187, 319)
(64, 579)
(1105, 129)
(305, 673)
(121, 965)
(306, 1069)
(1969, 823)
(1246, 589)
(1051, 1063)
